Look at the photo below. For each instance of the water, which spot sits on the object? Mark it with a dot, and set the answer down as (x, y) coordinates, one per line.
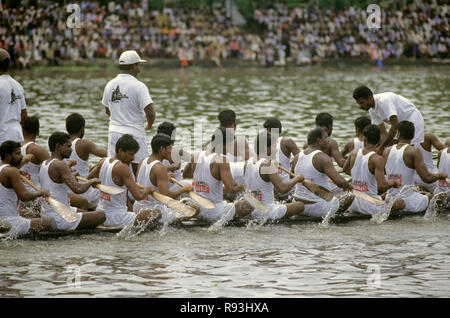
(281, 260)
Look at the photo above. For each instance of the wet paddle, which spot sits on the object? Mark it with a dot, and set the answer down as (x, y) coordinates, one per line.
(171, 203)
(205, 203)
(318, 190)
(63, 210)
(105, 188)
(367, 197)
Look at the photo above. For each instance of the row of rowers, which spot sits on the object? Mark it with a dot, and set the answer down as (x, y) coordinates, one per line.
(215, 172)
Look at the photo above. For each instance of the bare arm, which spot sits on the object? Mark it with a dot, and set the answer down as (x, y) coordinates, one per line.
(436, 142)
(348, 165)
(107, 111)
(336, 154)
(279, 185)
(422, 170)
(330, 171)
(162, 182)
(347, 148)
(382, 185)
(393, 120)
(69, 179)
(125, 173)
(17, 184)
(294, 163)
(95, 150)
(227, 178)
(150, 115)
(23, 115)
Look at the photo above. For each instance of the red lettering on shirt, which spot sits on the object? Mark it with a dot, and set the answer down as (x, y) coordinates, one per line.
(105, 196)
(443, 184)
(27, 175)
(257, 195)
(395, 177)
(201, 186)
(360, 186)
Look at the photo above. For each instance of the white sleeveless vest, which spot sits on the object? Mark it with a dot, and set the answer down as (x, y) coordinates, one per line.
(362, 179)
(59, 191)
(109, 202)
(444, 166)
(284, 161)
(82, 166)
(31, 170)
(8, 200)
(260, 189)
(204, 183)
(396, 170)
(357, 144)
(305, 167)
(143, 178)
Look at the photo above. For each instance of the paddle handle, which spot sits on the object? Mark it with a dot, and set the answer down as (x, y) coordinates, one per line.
(30, 183)
(82, 179)
(177, 182)
(286, 170)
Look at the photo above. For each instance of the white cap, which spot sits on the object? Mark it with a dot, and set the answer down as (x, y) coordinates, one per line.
(130, 57)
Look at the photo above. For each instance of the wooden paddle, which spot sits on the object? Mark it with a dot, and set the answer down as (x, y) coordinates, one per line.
(205, 203)
(318, 190)
(368, 198)
(104, 188)
(171, 203)
(63, 210)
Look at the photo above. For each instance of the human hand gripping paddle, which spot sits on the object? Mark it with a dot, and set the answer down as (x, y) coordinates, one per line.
(205, 203)
(318, 190)
(171, 203)
(63, 210)
(104, 188)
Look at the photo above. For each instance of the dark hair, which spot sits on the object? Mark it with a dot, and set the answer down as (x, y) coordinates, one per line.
(263, 141)
(160, 140)
(362, 122)
(74, 123)
(372, 133)
(4, 64)
(57, 138)
(166, 128)
(362, 92)
(406, 129)
(227, 118)
(127, 143)
(273, 123)
(31, 125)
(314, 134)
(8, 147)
(324, 120)
(222, 136)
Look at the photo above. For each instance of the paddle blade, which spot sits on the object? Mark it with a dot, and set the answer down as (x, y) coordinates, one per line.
(174, 204)
(255, 203)
(368, 198)
(318, 190)
(63, 210)
(204, 203)
(109, 189)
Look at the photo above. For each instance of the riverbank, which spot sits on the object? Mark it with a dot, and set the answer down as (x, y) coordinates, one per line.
(102, 64)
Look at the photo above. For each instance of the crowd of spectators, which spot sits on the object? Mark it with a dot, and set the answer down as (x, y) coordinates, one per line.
(276, 35)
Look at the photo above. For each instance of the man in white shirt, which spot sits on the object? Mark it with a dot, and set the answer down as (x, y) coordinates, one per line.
(13, 108)
(392, 109)
(128, 103)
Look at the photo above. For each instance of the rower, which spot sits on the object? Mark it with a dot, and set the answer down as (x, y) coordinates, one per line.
(367, 170)
(261, 177)
(56, 176)
(152, 173)
(402, 162)
(33, 155)
(285, 148)
(116, 172)
(81, 149)
(316, 166)
(325, 121)
(430, 140)
(12, 189)
(357, 142)
(211, 173)
(390, 108)
(444, 167)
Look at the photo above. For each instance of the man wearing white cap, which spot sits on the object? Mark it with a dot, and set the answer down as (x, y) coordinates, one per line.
(128, 103)
(13, 108)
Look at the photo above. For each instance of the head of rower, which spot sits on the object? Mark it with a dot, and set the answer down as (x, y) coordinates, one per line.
(5, 60)
(75, 124)
(222, 139)
(227, 119)
(169, 129)
(360, 124)
(10, 153)
(273, 126)
(371, 135)
(60, 145)
(266, 145)
(30, 127)
(405, 131)
(317, 138)
(325, 120)
(364, 97)
(126, 149)
(129, 63)
(161, 146)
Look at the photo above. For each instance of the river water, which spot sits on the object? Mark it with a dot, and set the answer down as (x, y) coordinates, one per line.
(398, 258)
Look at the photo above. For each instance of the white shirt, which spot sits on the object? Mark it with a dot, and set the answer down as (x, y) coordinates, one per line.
(126, 97)
(389, 104)
(12, 101)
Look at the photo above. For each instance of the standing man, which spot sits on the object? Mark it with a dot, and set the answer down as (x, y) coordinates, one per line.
(81, 149)
(128, 104)
(392, 109)
(13, 108)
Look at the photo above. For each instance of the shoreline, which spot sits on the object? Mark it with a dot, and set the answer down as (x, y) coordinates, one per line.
(173, 63)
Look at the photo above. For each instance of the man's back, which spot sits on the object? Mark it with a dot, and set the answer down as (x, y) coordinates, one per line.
(12, 102)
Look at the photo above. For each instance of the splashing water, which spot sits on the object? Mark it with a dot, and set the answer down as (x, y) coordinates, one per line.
(334, 206)
(438, 201)
(385, 211)
(226, 216)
